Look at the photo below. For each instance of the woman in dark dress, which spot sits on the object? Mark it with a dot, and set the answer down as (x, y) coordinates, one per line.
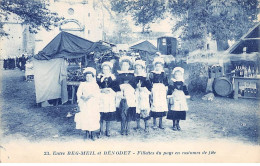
(107, 83)
(177, 94)
(159, 80)
(142, 93)
(127, 104)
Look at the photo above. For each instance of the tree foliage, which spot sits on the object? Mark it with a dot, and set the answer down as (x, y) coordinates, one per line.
(32, 12)
(144, 12)
(224, 20)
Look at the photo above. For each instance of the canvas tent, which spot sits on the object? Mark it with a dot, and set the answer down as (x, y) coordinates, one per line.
(145, 46)
(65, 45)
(146, 50)
(50, 66)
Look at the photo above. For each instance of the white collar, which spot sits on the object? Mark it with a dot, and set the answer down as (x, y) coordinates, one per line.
(158, 72)
(143, 74)
(125, 72)
(110, 75)
(174, 80)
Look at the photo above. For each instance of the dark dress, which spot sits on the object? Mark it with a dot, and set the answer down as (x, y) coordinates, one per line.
(178, 112)
(108, 82)
(159, 106)
(143, 103)
(130, 113)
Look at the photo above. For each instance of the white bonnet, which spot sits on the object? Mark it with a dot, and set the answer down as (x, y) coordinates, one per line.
(90, 69)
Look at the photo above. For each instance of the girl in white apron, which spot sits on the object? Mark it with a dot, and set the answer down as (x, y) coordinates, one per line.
(177, 94)
(126, 102)
(107, 83)
(88, 96)
(142, 93)
(159, 82)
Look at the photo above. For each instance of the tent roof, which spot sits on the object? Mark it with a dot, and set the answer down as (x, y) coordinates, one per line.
(66, 45)
(251, 40)
(145, 46)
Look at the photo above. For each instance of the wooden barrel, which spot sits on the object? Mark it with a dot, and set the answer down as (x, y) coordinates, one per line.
(222, 86)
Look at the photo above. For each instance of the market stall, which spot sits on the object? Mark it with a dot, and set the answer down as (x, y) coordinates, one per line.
(58, 67)
(244, 63)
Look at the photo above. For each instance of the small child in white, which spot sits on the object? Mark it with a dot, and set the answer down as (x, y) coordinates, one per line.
(88, 101)
(177, 94)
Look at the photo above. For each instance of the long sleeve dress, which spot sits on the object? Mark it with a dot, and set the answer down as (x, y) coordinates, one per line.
(126, 83)
(159, 105)
(178, 103)
(89, 116)
(107, 100)
(143, 96)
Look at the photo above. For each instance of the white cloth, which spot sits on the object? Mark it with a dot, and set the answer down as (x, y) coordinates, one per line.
(108, 101)
(89, 116)
(29, 69)
(159, 101)
(179, 101)
(142, 100)
(129, 93)
(47, 78)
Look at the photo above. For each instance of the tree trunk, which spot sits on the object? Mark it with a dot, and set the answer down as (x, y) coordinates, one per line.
(222, 45)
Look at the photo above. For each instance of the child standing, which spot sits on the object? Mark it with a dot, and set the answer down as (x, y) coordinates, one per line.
(177, 93)
(107, 83)
(88, 101)
(127, 106)
(142, 92)
(159, 82)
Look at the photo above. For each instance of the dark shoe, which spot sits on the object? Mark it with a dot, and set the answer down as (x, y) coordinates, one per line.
(127, 132)
(122, 133)
(161, 127)
(146, 130)
(174, 128)
(155, 127)
(107, 134)
(178, 127)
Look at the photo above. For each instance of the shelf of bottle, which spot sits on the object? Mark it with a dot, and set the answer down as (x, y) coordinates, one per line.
(248, 97)
(247, 78)
(241, 80)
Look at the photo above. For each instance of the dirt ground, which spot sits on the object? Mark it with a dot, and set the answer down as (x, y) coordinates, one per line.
(222, 118)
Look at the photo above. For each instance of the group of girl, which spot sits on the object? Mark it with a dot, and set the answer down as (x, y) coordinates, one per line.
(132, 95)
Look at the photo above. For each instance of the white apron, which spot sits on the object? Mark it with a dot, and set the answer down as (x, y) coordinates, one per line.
(129, 93)
(179, 101)
(89, 116)
(142, 100)
(159, 101)
(108, 101)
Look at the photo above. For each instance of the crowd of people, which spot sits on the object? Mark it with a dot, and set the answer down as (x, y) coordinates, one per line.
(131, 95)
(12, 63)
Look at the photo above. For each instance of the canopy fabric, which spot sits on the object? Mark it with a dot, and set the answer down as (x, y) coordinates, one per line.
(145, 46)
(50, 80)
(66, 45)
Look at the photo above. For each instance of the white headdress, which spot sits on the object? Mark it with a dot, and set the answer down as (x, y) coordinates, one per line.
(158, 60)
(140, 62)
(158, 53)
(90, 69)
(108, 64)
(178, 69)
(126, 58)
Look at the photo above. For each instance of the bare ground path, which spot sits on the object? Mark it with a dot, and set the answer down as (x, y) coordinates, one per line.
(223, 118)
